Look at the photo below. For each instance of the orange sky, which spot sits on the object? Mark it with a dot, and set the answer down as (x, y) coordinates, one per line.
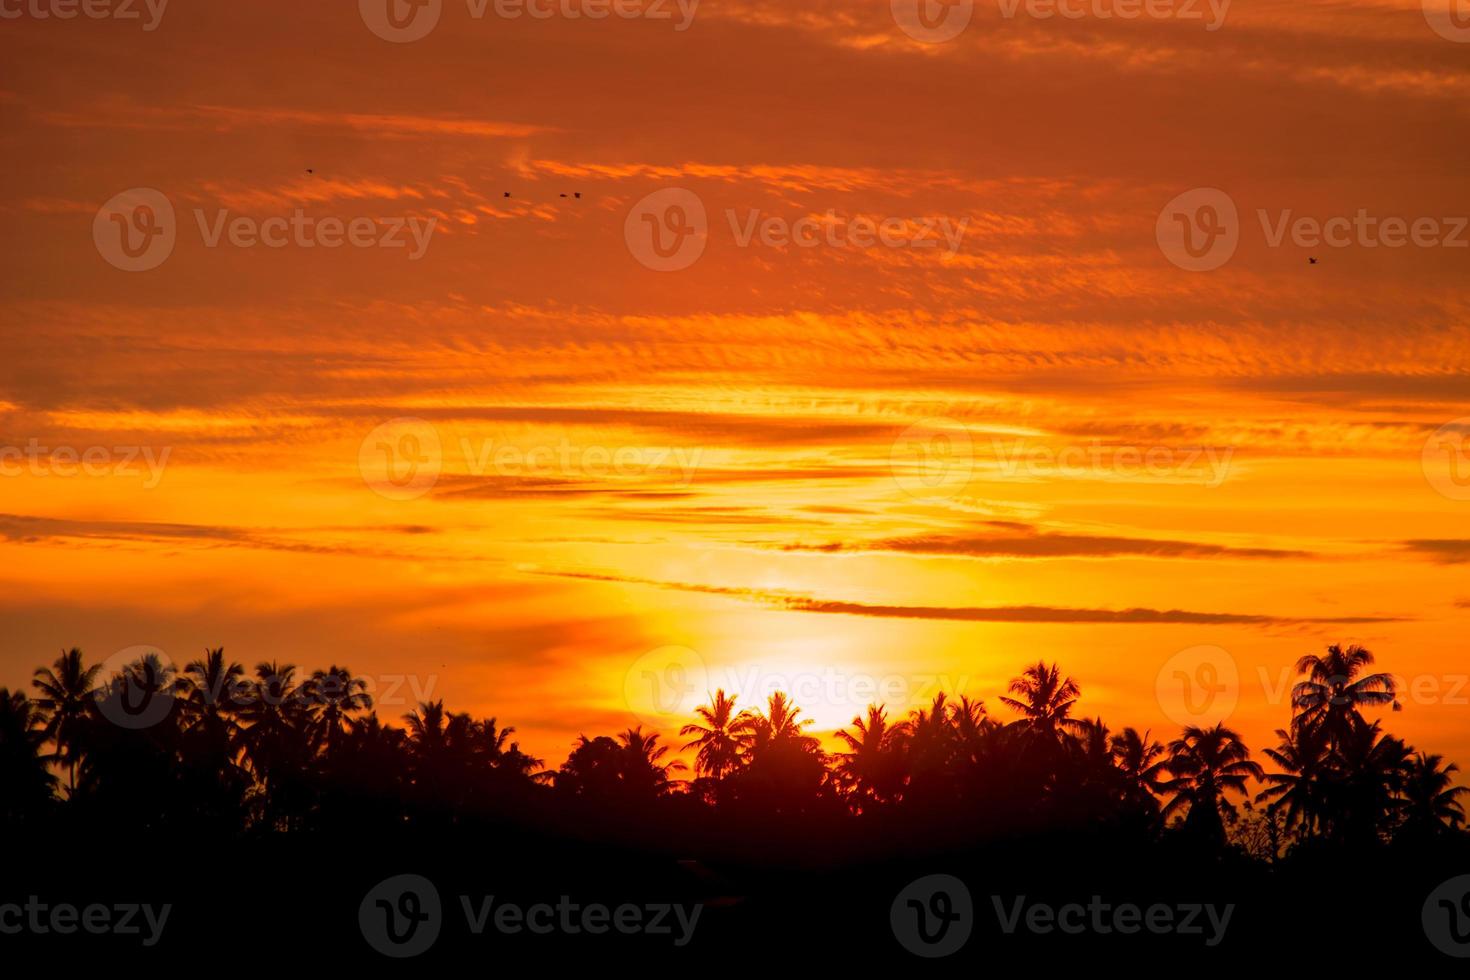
(1115, 459)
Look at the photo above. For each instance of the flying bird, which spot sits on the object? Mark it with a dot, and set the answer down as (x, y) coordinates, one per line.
(1312, 259)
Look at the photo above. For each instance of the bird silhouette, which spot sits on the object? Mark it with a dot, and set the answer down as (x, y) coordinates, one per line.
(1312, 259)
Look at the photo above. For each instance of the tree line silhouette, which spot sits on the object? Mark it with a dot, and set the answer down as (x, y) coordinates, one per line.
(275, 751)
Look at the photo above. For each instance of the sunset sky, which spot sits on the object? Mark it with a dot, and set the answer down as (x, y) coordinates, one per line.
(819, 466)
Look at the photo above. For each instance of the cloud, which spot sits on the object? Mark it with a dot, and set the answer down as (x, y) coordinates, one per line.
(24, 529)
(1031, 543)
(1455, 551)
(796, 602)
(224, 118)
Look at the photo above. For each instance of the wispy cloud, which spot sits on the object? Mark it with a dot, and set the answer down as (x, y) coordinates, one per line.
(796, 602)
(1030, 543)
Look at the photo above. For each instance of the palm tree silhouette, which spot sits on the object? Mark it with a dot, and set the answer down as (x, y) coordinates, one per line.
(149, 675)
(780, 726)
(266, 756)
(426, 727)
(1299, 789)
(1431, 801)
(212, 690)
(1334, 692)
(721, 736)
(644, 770)
(1141, 762)
(494, 744)
(1044, 699)
(28, 784)
(68, 692)
(1206, 763)
(332, 696)
(873, 765)
(1371, 768)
